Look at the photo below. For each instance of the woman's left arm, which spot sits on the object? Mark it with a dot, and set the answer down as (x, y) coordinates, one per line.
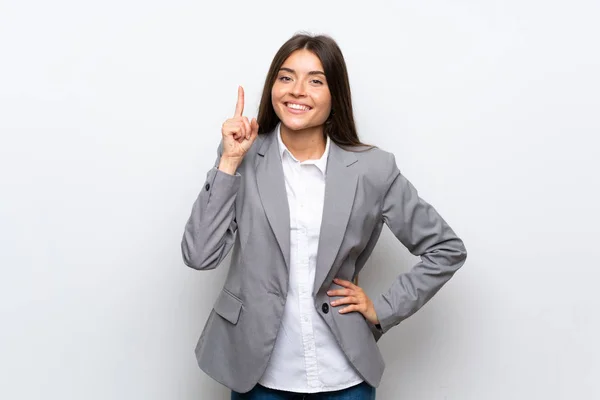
(424, 233)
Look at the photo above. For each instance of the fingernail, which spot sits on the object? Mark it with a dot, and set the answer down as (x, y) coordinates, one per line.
(329, 292)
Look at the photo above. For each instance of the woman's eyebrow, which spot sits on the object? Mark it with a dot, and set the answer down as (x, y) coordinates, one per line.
(293, 72)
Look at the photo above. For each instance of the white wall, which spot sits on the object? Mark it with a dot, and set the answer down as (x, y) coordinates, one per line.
(110, 114)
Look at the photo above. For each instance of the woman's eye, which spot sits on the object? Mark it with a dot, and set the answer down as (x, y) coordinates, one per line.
(316, 81)
(284, 78)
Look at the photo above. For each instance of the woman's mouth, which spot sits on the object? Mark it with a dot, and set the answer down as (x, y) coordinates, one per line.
(296, 108)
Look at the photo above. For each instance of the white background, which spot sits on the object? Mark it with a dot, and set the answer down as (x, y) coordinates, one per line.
(110, 114)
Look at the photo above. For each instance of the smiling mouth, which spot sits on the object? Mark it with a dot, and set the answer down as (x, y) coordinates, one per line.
(297, 107)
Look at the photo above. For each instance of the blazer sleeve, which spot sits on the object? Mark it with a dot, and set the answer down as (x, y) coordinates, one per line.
(210, 230)
(424, 233)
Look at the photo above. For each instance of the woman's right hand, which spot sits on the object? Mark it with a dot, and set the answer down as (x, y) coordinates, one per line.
(238, 135)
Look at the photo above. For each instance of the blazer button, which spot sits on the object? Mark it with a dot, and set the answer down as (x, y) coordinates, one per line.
(207, 187)
(325, 308)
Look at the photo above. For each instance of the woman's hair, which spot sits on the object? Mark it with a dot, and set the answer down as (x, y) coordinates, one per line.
(340, 125)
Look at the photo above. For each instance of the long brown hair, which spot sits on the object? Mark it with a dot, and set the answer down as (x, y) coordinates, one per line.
(340, 125)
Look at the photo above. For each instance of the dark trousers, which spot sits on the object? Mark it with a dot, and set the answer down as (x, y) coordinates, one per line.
(362, 391)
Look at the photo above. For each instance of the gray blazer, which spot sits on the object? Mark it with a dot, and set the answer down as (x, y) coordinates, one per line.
(249, 213)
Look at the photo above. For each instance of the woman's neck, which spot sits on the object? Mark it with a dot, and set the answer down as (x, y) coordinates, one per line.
(305, 144)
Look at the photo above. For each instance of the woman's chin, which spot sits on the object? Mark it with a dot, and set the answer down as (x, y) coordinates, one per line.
(296, 125)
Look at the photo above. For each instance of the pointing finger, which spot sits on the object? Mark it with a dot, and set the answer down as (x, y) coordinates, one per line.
(239, 107)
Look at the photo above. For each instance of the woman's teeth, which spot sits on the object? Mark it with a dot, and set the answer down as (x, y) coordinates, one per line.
(298, 107)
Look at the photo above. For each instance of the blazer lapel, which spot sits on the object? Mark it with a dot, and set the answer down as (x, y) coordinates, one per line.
(340, 188)
(271, 187)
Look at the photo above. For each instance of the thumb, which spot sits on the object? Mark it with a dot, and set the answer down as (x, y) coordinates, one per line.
(246, 144)
(254, 127)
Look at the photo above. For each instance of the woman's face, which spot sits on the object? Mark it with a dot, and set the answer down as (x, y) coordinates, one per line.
(300, 94)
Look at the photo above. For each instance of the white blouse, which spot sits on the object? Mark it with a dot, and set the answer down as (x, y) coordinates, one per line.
(306, 357)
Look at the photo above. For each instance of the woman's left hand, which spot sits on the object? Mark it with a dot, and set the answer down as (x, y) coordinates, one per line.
(356, 297)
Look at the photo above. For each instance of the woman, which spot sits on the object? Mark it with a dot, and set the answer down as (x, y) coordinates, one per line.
(302, 203)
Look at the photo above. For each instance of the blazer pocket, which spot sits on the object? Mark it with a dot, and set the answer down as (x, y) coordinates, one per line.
(228, 306)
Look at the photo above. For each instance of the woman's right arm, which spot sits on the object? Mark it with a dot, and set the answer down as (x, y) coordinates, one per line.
(210, 230)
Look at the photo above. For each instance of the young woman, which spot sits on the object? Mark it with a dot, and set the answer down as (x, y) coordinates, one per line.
(302, 202)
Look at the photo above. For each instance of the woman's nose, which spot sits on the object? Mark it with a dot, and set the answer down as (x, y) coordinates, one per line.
(298, 89)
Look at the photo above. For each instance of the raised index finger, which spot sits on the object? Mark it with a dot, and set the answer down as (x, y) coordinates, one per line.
(239, 107)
